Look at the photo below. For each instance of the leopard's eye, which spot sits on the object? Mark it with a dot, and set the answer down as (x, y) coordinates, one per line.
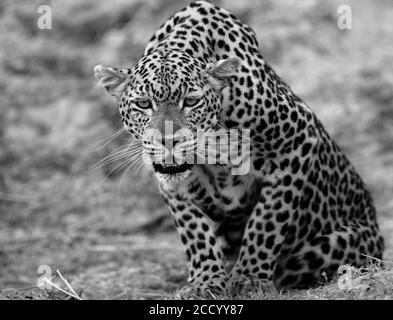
(190, 102)
(143, 104)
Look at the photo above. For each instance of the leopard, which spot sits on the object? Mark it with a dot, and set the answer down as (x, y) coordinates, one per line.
(299, 211)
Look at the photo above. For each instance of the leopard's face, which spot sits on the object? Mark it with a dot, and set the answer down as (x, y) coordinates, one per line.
(166, 101)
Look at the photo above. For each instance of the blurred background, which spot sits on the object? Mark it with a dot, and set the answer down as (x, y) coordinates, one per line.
(108, 230)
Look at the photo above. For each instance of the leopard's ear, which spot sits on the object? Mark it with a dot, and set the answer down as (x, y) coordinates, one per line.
(112, 79)
(219, 73)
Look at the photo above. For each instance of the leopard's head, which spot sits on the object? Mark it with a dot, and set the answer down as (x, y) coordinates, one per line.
(166, 100)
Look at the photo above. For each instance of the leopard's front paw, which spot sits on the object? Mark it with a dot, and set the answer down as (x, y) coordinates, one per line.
(200, 290)
(243, 286)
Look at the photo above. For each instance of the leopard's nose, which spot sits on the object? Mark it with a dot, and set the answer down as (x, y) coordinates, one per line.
(169, 143)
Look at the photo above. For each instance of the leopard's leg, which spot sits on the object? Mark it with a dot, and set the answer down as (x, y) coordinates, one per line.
(203, 251)
(264, 234)
(318, 259)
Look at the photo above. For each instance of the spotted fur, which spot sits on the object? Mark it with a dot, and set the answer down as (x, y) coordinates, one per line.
(300, 211)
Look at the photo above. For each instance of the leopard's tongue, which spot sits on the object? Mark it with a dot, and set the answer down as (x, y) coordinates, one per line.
(172, 168)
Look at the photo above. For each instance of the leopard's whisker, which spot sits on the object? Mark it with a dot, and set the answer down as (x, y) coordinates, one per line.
(125, 151)
(109, 139)
(119, 167)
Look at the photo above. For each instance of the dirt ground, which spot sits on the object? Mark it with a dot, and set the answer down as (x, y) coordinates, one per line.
(107, 230)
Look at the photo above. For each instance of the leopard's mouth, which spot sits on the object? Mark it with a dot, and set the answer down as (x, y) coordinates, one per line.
(172, 169)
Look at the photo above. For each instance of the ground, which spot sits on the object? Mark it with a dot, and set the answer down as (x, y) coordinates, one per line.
(107, 230)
